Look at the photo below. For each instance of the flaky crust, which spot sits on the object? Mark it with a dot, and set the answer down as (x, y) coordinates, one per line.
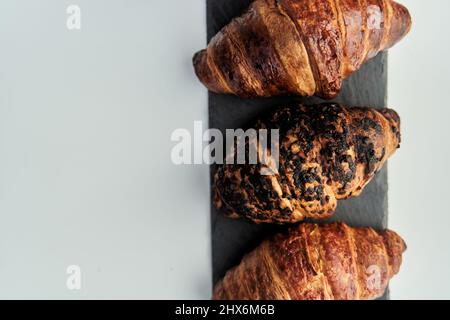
(311, 262)
(299, 47)
(326, 153)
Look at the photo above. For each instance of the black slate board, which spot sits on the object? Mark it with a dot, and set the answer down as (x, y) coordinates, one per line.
(232, 239)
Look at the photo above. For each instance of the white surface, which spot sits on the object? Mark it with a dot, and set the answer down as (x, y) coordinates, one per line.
(85, 171)
(419, 174)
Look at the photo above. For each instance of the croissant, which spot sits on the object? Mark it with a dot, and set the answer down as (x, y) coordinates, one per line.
(311, 262)
(299, 47)
(326, 153)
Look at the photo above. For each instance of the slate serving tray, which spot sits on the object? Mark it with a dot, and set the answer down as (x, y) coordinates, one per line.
(232, 239)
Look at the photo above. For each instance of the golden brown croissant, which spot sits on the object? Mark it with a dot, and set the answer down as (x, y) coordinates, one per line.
(311, 262)
(326, 153)
(299, 47)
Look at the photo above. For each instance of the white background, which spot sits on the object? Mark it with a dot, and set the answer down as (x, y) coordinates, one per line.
(85, 171)
(419, 81)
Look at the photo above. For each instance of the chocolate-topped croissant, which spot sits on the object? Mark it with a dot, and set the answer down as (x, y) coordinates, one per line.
(299, 47)
(311, 262)
(326, 153)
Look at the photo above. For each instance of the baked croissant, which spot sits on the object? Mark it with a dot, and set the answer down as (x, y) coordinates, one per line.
(311, 262)
(299, 47)
(326, 153)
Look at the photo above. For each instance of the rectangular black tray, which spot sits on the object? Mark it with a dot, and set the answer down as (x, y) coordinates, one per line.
(231, 239)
